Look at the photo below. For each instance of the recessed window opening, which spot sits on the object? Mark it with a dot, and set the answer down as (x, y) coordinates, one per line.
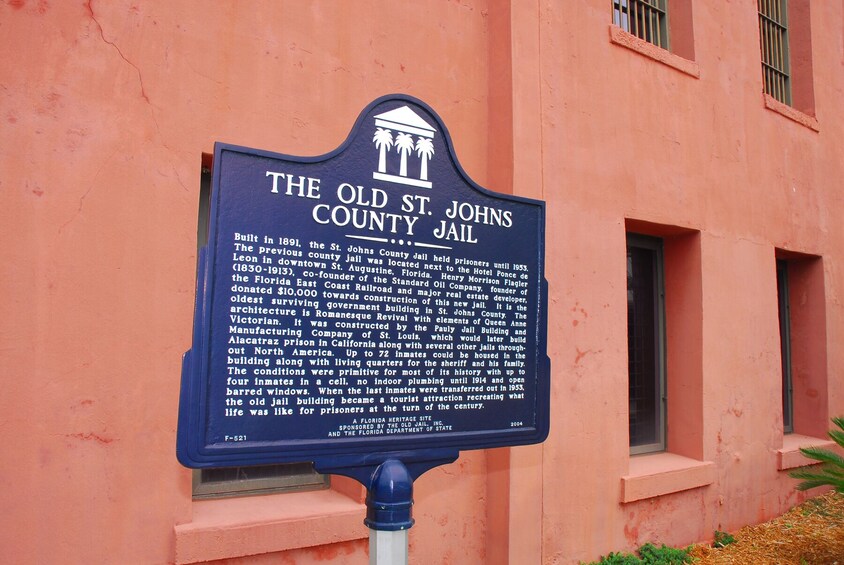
(802, 306)
(260, 479)
(773, 40)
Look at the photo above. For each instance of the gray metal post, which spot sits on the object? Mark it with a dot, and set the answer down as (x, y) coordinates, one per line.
(387, 548)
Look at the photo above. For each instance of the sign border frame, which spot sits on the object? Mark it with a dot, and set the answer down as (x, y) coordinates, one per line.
(191, 449)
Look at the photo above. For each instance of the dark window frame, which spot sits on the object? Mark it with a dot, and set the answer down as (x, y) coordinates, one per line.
(784, 314)
(647, 349)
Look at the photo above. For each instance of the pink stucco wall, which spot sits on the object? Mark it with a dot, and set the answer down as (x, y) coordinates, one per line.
(106, 109)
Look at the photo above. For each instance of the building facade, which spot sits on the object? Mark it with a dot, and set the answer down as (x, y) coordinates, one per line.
(689, 154)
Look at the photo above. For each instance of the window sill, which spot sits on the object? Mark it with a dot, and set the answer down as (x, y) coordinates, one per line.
(624, 39)
(805, 120)
(238, 527)
(658, 474)
(789, 457)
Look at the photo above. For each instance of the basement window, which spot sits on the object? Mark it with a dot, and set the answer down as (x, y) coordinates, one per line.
(260, 479)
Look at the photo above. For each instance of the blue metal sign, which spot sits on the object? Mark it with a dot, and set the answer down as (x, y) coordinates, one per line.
(368, 301)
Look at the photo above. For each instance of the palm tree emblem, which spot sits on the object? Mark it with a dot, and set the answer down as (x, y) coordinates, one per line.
(411, 136)
(383, 140)
(404, 145)
(424, 150)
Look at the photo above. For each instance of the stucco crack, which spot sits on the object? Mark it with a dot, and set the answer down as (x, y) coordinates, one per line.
(79, 208)
(87, 192)
(90, 7)
(179, 179)
(91, 436)
(203, 75)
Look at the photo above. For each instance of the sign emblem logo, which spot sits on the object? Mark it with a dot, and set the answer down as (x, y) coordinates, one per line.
(412, 134)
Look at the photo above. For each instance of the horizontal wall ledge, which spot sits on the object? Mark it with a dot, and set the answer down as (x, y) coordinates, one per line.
(658, 474)
(804, 120)
(790, 457)
(625, 39)
(238, 527)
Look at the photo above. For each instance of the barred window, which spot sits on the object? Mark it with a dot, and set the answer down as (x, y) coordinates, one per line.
(646, 19)
(773, 41)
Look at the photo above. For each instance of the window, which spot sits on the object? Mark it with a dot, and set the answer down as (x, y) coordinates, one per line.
(801, 301)
(645, 26)
(646, 19)
(665, 360)
(785, 346)
(242, 481)
(261, 479)
(645, 343)
(785, 39)
(773, 40)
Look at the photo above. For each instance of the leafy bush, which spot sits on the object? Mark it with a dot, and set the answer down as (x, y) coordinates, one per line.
(652, 555)
(832, 471)
(722, 539)
(618, 559)
(649, 554)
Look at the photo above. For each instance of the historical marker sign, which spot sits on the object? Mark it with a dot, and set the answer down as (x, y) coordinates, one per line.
(370, 300)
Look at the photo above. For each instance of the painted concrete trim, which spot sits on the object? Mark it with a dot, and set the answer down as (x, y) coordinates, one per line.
(806, 120)
(237, 527)
(624, 39)
(790, 457)
(658, 474)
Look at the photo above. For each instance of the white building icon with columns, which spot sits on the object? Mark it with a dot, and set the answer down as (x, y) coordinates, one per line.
(413, 134)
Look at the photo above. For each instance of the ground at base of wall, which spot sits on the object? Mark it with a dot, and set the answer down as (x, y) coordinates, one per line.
(809, 534)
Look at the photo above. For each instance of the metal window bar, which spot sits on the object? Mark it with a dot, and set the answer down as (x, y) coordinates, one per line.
(773, 40)
(646, 19)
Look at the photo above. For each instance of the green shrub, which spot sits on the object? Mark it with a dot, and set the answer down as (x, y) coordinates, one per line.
(649, 554)
(652, 555)
(832, 471)
(618, 559)
(722, 539)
